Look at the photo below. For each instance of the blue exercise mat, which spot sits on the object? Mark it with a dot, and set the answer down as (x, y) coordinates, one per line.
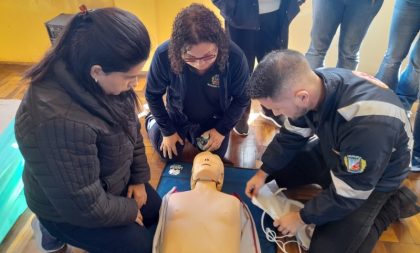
(234, 182)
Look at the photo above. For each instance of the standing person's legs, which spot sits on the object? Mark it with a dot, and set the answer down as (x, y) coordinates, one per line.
(326, 16)
(357, 17)
(127, 238)
(415, 161)
(408, 86)
(156, 137)
(268, 39)
(404, 27)
(245, 39)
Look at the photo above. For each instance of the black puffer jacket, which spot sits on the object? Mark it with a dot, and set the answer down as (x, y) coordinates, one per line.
(78, 160)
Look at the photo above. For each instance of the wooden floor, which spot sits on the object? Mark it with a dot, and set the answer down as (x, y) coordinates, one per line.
(401, 236)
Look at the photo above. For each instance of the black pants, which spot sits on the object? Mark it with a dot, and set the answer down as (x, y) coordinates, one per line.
(121, 239)
(357, 232)
(257, 43)
(156, 138)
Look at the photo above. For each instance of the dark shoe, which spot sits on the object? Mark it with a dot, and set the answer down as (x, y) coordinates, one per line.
(407, 202)
(45, 240)
(241, 128)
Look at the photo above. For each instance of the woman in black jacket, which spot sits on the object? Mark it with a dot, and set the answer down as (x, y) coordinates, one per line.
(86, 174)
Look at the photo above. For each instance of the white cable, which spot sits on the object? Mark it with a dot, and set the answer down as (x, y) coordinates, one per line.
(272, 237)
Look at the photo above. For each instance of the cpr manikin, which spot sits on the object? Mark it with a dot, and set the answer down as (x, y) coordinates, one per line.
(204, 219)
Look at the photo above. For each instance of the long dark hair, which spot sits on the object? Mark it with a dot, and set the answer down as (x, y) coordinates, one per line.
(110, 37)
(193, 25)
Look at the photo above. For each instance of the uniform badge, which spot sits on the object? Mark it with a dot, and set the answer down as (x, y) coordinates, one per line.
(215, 81)
(355, 164)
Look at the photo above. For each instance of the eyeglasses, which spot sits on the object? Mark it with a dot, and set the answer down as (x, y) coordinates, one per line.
(206, 58)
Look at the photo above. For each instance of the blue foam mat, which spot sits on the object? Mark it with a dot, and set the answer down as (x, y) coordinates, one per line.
(234, 182)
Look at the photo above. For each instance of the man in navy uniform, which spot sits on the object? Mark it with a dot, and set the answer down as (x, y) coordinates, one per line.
(347, 132)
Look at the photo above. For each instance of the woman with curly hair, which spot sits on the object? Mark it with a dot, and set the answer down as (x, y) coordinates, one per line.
(203, 75)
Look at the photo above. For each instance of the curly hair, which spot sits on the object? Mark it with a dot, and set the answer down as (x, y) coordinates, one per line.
(193, 25)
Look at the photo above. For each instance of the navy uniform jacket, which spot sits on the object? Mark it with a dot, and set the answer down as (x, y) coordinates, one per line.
(161, 80)
(243, 14)
(365, 139)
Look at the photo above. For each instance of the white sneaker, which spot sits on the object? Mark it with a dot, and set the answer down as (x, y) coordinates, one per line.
(415, 164)
(415, 168)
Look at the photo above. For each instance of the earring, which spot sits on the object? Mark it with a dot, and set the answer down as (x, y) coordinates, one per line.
(96, 80)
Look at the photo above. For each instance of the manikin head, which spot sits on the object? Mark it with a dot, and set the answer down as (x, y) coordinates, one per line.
(207, 167)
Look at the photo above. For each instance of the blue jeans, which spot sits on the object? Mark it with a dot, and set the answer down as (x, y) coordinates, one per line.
(408, 85)
(353, 17)
(405, 26)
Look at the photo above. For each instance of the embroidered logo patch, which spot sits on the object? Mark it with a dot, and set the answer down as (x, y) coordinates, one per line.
(215, 81)
(354, 163)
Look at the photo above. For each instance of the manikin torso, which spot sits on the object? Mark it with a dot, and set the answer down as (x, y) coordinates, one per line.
(204, 219)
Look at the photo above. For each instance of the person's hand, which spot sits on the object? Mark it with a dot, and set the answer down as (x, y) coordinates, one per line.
(289, 223)
(139, 218)
(168, 146)
(215, 140)
(255, 183)
(138, 192)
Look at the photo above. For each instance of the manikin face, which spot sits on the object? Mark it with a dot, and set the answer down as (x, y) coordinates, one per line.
(207, 167)
(114, 83)
(201, 56)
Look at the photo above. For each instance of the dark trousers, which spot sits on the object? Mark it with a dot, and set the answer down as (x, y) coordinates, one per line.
(357, 232)
(186, 133)
(128, 238)
(257, 43)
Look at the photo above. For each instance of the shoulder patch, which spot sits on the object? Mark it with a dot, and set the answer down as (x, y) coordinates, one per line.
(370, 79)
(355, 164)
